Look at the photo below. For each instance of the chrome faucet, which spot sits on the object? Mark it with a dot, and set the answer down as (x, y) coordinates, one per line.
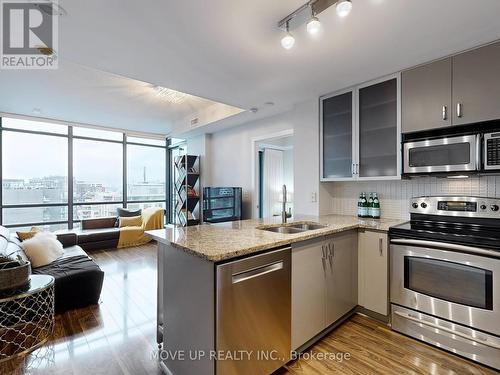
(283, 211)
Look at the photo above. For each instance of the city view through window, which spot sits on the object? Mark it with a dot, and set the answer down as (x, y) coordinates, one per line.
(37, 161)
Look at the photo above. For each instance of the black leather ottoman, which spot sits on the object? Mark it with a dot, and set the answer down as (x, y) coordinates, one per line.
(78, 280)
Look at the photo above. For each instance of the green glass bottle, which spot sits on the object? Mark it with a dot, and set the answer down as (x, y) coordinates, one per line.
(370, 205)
(376, 207)
(364, 206)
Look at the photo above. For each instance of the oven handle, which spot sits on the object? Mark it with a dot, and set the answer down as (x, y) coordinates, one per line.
(447, 246)
(453, 332)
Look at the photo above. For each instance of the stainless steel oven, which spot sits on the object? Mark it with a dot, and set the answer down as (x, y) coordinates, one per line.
(445, 275)
(446, 154)
(454, 282)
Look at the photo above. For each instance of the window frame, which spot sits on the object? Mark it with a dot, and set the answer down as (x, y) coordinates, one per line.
(71, 203)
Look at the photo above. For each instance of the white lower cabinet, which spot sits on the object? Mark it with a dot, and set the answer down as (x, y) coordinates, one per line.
(308, 291)
(341, 275)
(324, 283)
(373, 277)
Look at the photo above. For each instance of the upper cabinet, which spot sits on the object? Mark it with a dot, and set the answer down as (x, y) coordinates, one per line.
(462, 89)
(426, 96)
(338, 129)
(360, 132)
(378, 129)
(476, 85)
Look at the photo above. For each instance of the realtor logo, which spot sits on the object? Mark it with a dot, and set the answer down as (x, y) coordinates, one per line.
(28, 37)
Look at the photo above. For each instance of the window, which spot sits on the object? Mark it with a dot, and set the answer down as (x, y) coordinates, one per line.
(92, 211)
(147, 141)
(36, 161)
(35, 168)
(32, 125)
(96, 133)
(145, 173)
(35, 215)
(97, 171)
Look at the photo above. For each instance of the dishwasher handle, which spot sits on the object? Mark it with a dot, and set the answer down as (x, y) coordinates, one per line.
(257, 272)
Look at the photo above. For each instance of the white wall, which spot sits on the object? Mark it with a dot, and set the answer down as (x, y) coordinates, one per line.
(288, 169)
(228, 162)
(200, 145)
(231, 155)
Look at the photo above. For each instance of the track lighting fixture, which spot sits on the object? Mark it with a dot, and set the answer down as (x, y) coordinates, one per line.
(288, 40)
(343, 7)
(313, 26)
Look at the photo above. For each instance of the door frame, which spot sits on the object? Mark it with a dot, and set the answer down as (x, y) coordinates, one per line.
(255, 165)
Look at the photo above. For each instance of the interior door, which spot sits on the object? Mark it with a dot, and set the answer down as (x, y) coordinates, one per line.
(337, 134)
(476, 85)
(341, 296)
(426, 97)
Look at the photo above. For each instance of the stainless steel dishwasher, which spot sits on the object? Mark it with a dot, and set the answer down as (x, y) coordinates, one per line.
(253, 326)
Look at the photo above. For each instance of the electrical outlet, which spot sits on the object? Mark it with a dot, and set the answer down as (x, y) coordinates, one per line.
(314, 197)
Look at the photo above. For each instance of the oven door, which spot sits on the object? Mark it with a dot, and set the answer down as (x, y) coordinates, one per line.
(454, 154)
(452, 282)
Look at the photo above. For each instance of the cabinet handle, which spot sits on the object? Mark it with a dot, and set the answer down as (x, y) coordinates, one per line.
(381, 246)
(445, 113)
(459, 110)
(331, 251)
(353, 169)
(323, 257)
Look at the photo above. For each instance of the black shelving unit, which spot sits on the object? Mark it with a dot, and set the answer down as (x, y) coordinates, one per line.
(187, 189)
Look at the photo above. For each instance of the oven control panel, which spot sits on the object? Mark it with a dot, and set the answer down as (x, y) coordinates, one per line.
(456, 206)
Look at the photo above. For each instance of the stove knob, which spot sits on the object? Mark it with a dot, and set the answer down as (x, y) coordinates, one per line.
(414, 205)
(494, 207)
(423, 205)
(483, 207)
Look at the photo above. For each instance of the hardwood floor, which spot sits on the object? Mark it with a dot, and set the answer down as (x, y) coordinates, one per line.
(118, 336)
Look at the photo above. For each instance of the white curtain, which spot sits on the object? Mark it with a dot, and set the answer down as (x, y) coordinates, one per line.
(273, 178)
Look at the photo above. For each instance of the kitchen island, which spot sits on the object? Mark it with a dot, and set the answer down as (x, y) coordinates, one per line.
(226, 299)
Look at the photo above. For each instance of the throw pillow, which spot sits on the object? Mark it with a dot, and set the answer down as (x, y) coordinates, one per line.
(134, 221)
(42, 249)
(123, 212)
(23, 236)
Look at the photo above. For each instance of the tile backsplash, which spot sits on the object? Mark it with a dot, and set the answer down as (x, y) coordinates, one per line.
(395, 195)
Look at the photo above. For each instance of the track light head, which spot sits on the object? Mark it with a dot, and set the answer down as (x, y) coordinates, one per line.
(343, 7)
(288, 40)
(313, 26)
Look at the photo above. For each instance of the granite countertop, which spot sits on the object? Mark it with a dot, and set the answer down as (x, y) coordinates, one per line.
(218, 242)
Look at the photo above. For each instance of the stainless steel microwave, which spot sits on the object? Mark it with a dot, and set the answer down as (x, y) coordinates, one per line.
(442, 155)
(491, 153)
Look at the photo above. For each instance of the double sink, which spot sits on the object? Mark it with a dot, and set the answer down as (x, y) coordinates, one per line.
(293, 228)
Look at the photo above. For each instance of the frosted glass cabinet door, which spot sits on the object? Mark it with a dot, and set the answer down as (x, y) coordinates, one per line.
(378, 127)
(337, 136)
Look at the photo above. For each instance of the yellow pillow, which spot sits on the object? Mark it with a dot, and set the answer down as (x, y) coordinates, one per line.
(23, 236)
(131, 221)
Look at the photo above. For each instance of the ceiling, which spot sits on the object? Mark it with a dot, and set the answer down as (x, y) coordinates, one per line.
(84, 95)
(229, 51)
